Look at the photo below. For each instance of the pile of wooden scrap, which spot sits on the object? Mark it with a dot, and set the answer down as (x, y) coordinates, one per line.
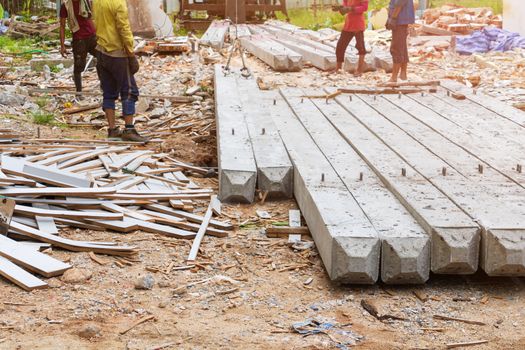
(94, 187)
(453, 19)
(40, 28)
(164, 46)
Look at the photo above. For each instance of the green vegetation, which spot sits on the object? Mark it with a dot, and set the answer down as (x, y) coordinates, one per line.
(10, 45)
(327, 18)
(43, 118)
(55, 69)
(42, 101)
(305, 18)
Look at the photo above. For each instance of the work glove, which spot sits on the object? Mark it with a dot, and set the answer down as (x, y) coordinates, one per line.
(134, 65)
(337, 8)
(391, 23)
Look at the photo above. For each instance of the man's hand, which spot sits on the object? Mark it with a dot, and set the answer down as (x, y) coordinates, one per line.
(63, 51)
(134, 65)
(337, 8)
(344, 10)
(391, 23)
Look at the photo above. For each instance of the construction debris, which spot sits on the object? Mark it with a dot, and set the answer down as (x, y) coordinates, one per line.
(100, 188)
(40, 28)
(453, 19)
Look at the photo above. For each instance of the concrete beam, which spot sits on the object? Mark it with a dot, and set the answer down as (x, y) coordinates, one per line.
(237, 169)
(274, 168)
(215, 34)
(433, 210)
(405, 246)
(503, 252)
(318, 58)
(347, 242)
(486, 195)
(274, 54)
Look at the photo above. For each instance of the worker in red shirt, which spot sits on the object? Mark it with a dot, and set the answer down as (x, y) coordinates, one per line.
(354, 27)
(78, 14)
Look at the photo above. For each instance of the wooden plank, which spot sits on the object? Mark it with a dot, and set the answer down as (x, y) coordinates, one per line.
(194, 251)
(127, 159)
(30, 259)
(46, 224)
(44, 174)
(284, 232)
(67, 214)
(127, 212)
(19, 276)
(184, 225)
(57, 191)
(188, 216)
(68, 244)
(294, 220)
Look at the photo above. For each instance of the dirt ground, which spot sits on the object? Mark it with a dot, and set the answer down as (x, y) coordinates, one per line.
(247, 290)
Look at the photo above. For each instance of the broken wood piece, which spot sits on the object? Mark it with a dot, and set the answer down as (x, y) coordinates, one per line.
(97, 259)
(448, 318)
(386, 91)
(19, 276)
(150, 176)
(284, 232)
(326, 97)
(31, 259)
(188, 216)
(465, 344)
(410, 83)
(373, 309)
(202, 231)
(138, 322)
(79, 109)
(69, 244)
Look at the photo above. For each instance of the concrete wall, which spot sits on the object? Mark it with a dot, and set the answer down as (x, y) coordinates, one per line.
(514, 16)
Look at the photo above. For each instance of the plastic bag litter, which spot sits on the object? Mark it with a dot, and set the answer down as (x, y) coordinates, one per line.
(489, 39)
(343, 338)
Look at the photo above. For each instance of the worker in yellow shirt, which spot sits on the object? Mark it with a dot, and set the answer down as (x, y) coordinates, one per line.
(116, 66)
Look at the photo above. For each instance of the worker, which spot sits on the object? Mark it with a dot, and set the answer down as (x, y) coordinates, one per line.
(116, 66)
(78, 16)
(354, 27)
(400, 15)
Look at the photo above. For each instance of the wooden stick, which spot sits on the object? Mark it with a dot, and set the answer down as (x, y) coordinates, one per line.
(379, 91)
(447, 318)
(140, 321)
(105, 142)
(81, 109)
(278, 232)
(411, 83)
(202, 231)
(470, 343)
(327, 96)
(175, 99)
(154, 177)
